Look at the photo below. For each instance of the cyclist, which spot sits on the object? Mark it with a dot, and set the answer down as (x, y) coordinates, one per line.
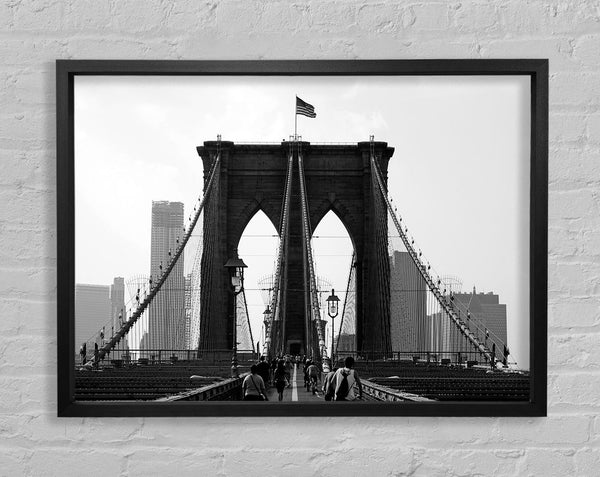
(313, 376)
(307, 363)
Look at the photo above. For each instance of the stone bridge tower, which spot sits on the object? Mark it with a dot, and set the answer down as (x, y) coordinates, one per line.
(338, 178)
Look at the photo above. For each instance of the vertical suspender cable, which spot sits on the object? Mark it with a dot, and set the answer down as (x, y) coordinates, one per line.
(275, 342)
(441, 300)
(306, 232)
(144, 305)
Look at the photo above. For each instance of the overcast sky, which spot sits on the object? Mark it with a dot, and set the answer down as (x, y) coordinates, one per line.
(459, 175)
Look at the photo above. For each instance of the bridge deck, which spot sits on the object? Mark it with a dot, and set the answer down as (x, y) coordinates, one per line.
(296, 392)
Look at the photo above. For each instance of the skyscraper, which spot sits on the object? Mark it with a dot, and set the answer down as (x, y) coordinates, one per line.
(166, 321)
(92, 312)
(188, 312)
(487, 308)
(409, 326)
(117, 300)
(486, 313)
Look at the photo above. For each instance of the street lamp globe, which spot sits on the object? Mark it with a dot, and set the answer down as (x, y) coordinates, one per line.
(332, 304)
(332, 311)
(267, 314)
(235, 266)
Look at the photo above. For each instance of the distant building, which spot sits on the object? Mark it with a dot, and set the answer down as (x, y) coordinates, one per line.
(409, 324)
(487, 308)
(166, 320)
(188, 313)
(117, 300)
(92, 312)
(144, 343)
(484, 308)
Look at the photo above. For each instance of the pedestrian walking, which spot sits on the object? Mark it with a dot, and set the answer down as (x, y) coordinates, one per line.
(263, 370)
(344, 381)
(96, 356)
(253, 386)
(83, 352)
(280, 379)
(288, 370)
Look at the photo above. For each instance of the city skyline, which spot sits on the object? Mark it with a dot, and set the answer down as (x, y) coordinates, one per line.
(417, 331)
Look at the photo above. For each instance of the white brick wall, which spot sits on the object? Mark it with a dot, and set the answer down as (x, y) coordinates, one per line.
(34, 33)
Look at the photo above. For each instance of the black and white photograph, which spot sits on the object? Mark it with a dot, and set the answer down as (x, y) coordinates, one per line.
(276, 240)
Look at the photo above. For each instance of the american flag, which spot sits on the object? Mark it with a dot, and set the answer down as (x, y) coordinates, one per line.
(305, 109)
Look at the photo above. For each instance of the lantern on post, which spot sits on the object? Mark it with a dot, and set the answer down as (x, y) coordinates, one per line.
(235, 266)
(267, 325)
(332, 311)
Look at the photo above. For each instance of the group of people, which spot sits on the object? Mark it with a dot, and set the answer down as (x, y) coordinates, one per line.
(338, 385)
(262, 374)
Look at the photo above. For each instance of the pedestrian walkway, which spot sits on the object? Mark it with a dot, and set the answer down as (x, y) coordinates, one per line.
(296, 392)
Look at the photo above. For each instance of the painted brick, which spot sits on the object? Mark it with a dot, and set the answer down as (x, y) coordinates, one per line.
(430, 16)
(138, 15)
(34, 33)
(102, 48)
(334, 16)
(572, 312)
(540, 431)
(87, 15)
(190, 16)
(573, 389)
(548, 462)
(567, 127)
(573, 204)
(564, 242)
(585, 51)
(189, 462)
(575, 350)
(568, 89)
(581, 276)
(98, 461)
(558, 50)
(446, 462)
(549, 18)
(328, 462)
(593, 128)
(587, 461)
(39, 15)
(472, 17)
(574, 167)
(26, 316)
(379, 18)
(450, 48)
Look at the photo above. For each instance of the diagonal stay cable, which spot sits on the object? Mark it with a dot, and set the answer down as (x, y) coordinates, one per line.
(434, 289)
(116, 338)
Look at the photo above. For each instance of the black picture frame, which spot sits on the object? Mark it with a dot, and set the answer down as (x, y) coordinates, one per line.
(536, 69)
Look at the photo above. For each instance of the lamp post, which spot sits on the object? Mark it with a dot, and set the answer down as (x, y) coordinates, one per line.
(235, 266)
(266, 322)
(332, 311)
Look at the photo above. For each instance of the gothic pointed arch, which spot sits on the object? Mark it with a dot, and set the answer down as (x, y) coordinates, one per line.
(338, 178)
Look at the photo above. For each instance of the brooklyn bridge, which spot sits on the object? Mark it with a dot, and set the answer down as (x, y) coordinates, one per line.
(411, 337)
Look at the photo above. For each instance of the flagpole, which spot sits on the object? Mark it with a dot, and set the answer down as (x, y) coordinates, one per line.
(296, 120)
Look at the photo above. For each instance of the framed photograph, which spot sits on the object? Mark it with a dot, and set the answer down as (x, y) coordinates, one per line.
(285, 238)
